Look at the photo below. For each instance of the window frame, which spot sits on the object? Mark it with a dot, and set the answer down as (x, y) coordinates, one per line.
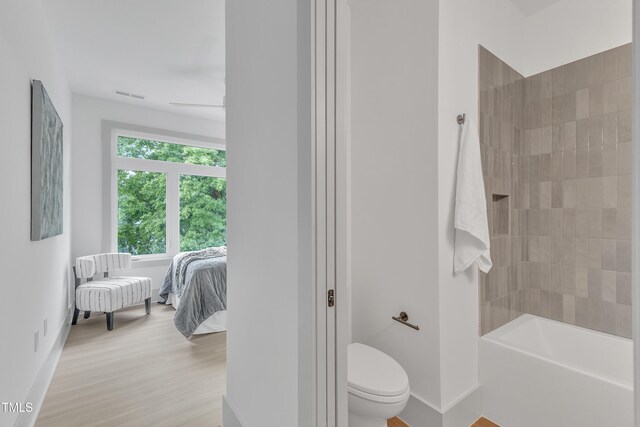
(172, 170)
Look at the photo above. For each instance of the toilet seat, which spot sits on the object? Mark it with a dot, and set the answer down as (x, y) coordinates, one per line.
(374, 376)
(380, 399)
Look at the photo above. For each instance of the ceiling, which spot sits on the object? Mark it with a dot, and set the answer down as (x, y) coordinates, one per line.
(529, 7)
(165, 50)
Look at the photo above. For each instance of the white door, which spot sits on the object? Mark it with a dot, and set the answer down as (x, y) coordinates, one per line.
(331, 131)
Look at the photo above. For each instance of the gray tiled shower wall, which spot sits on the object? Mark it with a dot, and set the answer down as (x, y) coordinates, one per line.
(556, 153)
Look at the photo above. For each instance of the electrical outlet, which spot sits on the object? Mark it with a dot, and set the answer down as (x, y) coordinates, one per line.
(44, 327)
(36, 341)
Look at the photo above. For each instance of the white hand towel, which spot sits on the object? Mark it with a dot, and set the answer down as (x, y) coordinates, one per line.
(471, 222)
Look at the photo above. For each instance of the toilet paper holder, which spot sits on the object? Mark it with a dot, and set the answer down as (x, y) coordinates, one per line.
(403, 318)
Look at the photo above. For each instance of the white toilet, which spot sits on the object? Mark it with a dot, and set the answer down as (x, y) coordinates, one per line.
(378, 387)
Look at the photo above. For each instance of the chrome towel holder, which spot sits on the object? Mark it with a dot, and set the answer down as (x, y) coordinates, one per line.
(403, 318)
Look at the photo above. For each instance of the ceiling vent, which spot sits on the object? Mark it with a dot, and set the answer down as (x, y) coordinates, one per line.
(128, 94)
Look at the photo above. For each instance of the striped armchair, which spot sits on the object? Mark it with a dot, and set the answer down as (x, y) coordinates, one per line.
(108, 294)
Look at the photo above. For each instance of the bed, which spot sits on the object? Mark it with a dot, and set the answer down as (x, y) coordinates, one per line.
(196, 286)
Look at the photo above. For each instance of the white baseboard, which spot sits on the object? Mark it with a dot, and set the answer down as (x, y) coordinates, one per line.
(229, 416)
(41, 384)
(462, 413)
(419, 413)
(466, 410)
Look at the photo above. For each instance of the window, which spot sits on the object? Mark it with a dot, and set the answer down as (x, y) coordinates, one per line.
(142, 212)
(167, 195)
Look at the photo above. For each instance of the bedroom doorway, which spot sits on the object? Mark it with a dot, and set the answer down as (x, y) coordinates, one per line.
(143, 103)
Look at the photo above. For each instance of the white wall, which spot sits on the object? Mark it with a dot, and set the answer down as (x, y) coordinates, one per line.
(495, 24)
(268, 146)
(35, 275)
(394, 184)
(88, 198)
(573, 29)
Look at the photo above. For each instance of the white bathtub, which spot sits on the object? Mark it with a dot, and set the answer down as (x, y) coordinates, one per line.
(538, 372)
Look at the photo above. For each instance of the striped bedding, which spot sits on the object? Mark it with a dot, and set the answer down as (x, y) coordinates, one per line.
(202, 287)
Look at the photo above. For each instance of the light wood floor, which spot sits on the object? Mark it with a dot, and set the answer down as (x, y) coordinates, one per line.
(143, 373)
(396, 422)
(482, 422)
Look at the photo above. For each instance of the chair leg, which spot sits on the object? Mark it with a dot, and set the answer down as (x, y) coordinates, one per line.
(110, 321)
(76, 312)
(147, 305)
(87, 314)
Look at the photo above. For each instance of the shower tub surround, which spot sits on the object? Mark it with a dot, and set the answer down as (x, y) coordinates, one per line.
(539, 372)
(556, 152)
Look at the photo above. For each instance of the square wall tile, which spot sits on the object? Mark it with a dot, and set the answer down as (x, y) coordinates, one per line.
(624, 158)
(595, 161)
(582, 252)
(569, 309)
(595, 192)
(556, 250)
(595, 283)
(570, 135)
(556, 165)
(582, 133)
(623, 256)
(624, 191)
(582, 222)
(595, 254)
(557, 221)
(595, 222)
(569, 107)
(624, 223)
(556, 194)
(624, 56)
(623, 288)
(610, 223)
(608, 254)
(559, 144)
(596, 69)
(610, 160)
(582, 282)
(596, 99)
(557, 103)
(594, 310)
(623, 321)
(569, 193)
(568, 169)
(610, 96)
(582, 103)
(610, 65)
(609, 287)
(569, 223)
(582, 312)
(596, 130)
(624, 125)
(609, 191)
(625, 93)
(582, 73)
(568, 280)
(608, 317)
(610, 128)
(582, 163)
